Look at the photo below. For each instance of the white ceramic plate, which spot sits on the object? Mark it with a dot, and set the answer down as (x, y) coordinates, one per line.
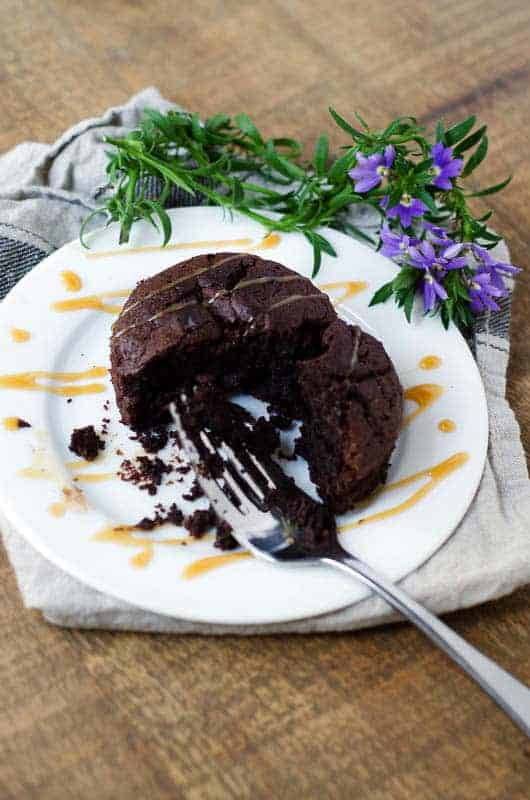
(244, 591)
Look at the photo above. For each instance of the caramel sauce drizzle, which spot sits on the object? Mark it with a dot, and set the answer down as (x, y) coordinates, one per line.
(143, 558)
(131, 251)
(203, 565)
(30, 381)
(255, 282)
(94, 477)
(268, 242)
(292, 299)
(81, 463)
(168, 310)
(174, 307)
(42, 467)
(45, 467)
(430, 362)
(125, 535)
(350, 289)
(434, 474)
(71, 280)
(265, 279)
(89, 477)
(57, 509)
(424, 394)
(93, 302)
(12, 424)
(74, 500)
(96, 302)
(446, 426)
(174, 283)
(19, 335)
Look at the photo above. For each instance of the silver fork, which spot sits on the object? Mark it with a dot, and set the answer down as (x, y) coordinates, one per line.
(242, 503)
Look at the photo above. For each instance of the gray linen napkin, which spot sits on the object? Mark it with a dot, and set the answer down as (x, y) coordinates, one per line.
(45, 193)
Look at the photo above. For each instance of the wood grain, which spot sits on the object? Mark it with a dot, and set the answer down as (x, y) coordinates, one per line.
(379, 714)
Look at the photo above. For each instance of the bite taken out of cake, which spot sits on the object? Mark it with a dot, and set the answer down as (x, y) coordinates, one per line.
(247, 324)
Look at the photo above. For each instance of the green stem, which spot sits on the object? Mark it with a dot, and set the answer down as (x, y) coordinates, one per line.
(128, 219)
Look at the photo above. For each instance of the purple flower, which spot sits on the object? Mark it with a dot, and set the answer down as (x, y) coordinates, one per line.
(439, 263)
(445, 166)
(435, 266)
(370, 170)
(436, 234)
(497, 270)
(482, 291)
(395, 245)
(407, 208)
(432, 290)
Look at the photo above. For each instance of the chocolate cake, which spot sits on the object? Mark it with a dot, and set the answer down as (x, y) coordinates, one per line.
(246, 324)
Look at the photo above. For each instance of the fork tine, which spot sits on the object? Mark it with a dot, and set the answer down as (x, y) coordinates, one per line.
(220, 497)
(270, 482)
(261, 531)
(228, 455)
(242, 472)
(246, 506)
(183, 436)
(223, 504)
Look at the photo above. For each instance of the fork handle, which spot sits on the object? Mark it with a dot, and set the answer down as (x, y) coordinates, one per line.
(509, 693)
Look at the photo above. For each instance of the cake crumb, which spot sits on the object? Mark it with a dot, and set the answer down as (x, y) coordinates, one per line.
(85, 442)
(145, 472)
(173, 515)
(200, 522)
(154, 439)
(223, 536)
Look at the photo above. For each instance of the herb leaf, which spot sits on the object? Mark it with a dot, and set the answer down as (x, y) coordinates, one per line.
(477, 158)
(458, 132)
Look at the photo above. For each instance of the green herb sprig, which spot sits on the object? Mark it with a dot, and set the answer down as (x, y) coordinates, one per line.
(426, 223)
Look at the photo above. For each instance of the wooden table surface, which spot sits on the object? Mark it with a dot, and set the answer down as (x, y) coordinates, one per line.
(380, 714)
